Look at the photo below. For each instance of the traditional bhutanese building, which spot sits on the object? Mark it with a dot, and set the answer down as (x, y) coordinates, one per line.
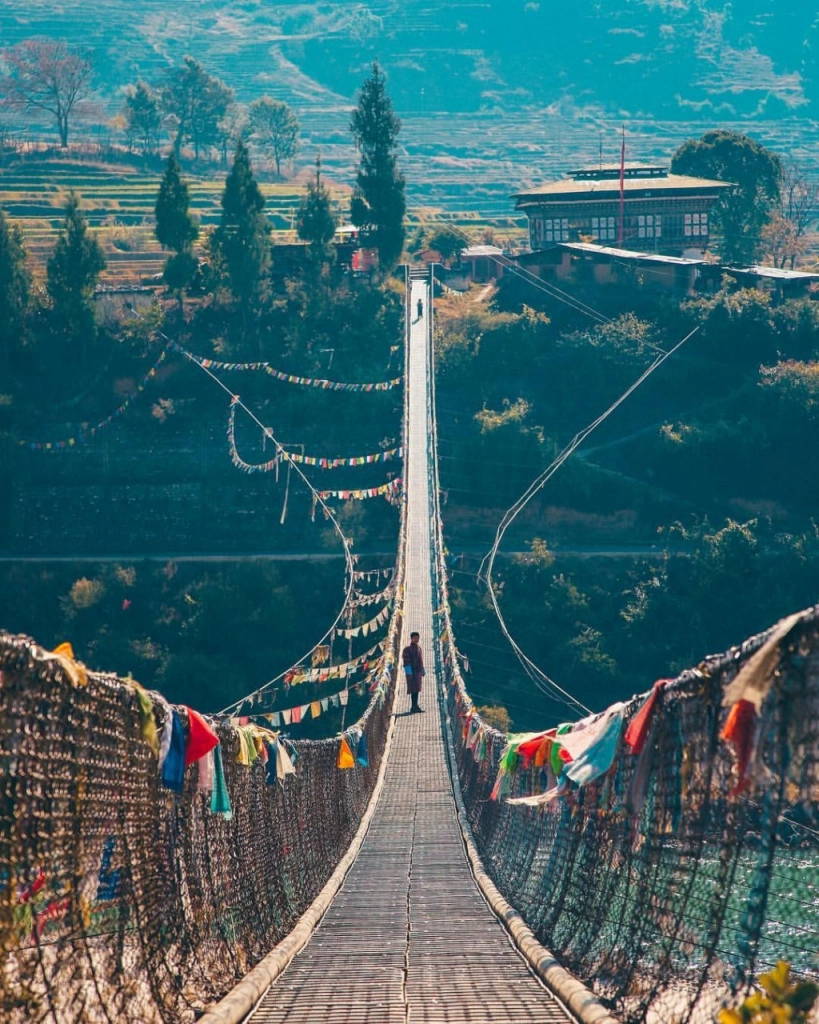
(661, 212)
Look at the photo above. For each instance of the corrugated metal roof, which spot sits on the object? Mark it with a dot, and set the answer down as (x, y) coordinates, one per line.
(472, 251)
(776, 273)
(608, 250)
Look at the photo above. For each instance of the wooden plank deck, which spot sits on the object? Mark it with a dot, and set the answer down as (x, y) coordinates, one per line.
(410, 938)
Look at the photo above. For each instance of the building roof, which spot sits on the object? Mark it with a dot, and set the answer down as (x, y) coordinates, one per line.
(630, 170)
(471, 252)
(630, 254)
(573, 188)
(775, 273)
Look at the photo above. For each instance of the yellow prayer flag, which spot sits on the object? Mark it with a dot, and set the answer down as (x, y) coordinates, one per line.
(345, 755)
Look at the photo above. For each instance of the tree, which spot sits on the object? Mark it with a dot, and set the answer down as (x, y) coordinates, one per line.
(798, 203)
(448, 244)
(198, 102)
(72, 273)
(241, 244)
(45, 74)
(274, 127)
(316, 224)
(15, 286)
(142, 117)
(756, 177)
(175, 227)
(378, 202)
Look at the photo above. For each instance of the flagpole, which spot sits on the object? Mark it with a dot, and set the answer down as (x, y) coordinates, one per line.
(622, 187)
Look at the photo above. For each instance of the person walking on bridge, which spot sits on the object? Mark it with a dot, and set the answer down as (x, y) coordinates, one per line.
(413, 659)
(420, 308)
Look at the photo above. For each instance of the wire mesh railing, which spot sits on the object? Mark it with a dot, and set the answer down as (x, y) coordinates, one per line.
(122, 900)
(688, 865)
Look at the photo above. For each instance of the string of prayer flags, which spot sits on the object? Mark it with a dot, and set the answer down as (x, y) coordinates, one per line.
(300, 674)
(366, 492)
(366, 627)
(370, 574)
(354, 460)
(85, 431)
(272, 465)
(289, 378)
(359, 600)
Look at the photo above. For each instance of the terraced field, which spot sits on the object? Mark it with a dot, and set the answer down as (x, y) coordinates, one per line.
(118, 203)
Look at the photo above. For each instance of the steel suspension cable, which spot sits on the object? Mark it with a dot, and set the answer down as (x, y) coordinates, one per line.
(488, 562)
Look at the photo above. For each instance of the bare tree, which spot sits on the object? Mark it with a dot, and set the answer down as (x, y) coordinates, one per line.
(798, 204)
(45, 74)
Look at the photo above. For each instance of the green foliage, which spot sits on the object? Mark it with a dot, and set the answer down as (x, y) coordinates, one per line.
(512, 413)
(275, 128)
(176, 229)
(756, 175)
(779, 1000)
(316, 224)
(241, 242)
(378, 203)
(198, 102)
(202, 634)
(495, 716)
(15, 287)
(73, 271)
(143, 117)
(447, 243)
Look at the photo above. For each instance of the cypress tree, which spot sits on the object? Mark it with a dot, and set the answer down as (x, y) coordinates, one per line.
(175, 227)
(15, 286)
(72, 273)
(241, 242)
(378, 203)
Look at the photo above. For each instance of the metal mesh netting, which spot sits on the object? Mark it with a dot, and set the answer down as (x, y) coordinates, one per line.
(655, 885)
(123, 901)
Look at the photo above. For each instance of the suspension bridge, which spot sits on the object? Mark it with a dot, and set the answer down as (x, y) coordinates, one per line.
(641, 864)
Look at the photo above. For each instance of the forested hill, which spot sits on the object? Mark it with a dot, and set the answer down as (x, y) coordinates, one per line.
(661, 58)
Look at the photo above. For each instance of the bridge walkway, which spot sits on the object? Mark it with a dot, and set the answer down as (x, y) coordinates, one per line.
(409, 938)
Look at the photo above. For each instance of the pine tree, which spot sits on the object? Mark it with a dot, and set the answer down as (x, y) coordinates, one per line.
(175, 227)
(72, 274)
(15, 287)
(378, 203)
(241, 243)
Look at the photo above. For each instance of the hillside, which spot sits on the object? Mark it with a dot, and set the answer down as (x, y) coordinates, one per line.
(497, 94)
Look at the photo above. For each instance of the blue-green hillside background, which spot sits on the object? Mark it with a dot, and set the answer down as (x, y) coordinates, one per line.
(494, 94)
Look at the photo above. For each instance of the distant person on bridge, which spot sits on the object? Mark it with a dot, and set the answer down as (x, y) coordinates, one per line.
(413, 659)
(420, 309)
